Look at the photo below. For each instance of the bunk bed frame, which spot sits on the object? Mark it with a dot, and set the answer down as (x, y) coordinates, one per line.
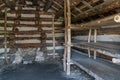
(99, 68)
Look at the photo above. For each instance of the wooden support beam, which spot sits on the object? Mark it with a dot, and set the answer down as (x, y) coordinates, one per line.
(89, 39)
(33, 12)
(89, 35)
(102, 31)
(45, 19)
(95, 35)
(89, 52)
(30, 25)
(110, 20)
(65, 50)
(38, 38)
(68, 29)
(95, 40)
(34, 45)
(95, 54)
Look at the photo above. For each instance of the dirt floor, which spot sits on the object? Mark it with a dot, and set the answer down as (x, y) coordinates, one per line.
(34, 72)
(42, 71)
(52, 70)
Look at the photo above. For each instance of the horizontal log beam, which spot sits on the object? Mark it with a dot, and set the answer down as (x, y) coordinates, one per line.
(32, 32)
(110, 20)
(101, 31)
(31, 12)
(30, 25)
(61, 39)
(38, 38)
(30, 45)
(28, 19)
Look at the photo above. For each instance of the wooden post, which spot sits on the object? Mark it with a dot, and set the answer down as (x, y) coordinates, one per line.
(67, 52)
(65, 48)
(69, 37)
(95, 40)
(95, 54)
(5, 37)
(53, 32)
(95, 35)
(89, 52)
(89, 35)
(89, 39)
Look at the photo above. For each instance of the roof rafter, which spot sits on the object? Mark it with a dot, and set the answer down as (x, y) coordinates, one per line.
(106, 6)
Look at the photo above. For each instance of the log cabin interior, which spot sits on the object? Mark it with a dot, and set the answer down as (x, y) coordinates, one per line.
(59, 39)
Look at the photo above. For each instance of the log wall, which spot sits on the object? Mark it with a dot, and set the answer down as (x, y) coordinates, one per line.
(29, 27)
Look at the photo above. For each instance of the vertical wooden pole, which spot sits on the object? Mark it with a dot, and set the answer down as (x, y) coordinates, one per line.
(89, 35)
(95, 40)
(95, 54)
(95, 35)
(69, 37)
(53, 32)
(65, 48)
(89, 52)
(5, 36)
(89, 39)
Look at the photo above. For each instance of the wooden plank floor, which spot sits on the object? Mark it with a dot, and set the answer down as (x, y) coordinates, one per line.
(99, 68)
